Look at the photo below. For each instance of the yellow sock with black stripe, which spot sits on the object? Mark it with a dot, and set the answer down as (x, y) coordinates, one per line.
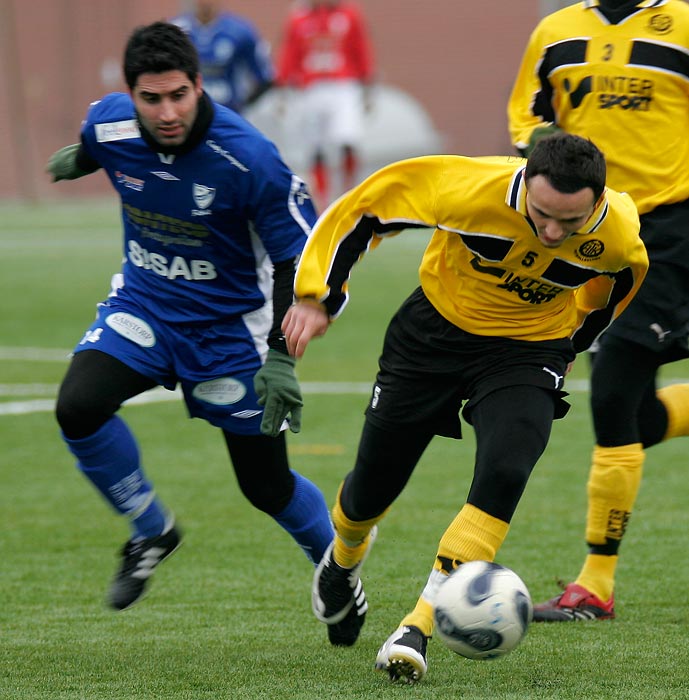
(351, 536)
(675, 398)
(472, 535)
(613, 485)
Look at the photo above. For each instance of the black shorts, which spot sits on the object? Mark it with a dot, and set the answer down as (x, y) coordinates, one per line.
(658, 316)
(429, 367)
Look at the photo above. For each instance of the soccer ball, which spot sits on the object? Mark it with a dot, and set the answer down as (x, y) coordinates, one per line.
(482, 610)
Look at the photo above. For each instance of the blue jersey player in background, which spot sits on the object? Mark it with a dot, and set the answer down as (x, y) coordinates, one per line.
(213, 223)
(234, 60)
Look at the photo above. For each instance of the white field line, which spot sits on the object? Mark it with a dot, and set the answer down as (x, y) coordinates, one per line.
(47, 392)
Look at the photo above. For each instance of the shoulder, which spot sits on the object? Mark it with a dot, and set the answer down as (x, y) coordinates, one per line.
(242, 146)
(117, 106)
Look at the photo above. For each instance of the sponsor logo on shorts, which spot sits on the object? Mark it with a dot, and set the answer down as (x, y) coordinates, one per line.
(220, 392)
(117, 131)
(132, 328)
(376, 396)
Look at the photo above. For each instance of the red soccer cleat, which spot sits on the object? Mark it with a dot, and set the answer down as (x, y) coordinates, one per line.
(574, 604)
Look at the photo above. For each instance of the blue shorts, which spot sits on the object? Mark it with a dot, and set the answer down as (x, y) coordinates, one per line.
(214, 363)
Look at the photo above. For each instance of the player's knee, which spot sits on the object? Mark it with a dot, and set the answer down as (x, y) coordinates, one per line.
(78, 414)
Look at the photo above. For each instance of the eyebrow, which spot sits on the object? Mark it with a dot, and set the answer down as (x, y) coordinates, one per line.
(549, 216)
(148, 93)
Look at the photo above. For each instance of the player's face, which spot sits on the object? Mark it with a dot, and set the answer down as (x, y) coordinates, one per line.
(167, 104)
(555, 214)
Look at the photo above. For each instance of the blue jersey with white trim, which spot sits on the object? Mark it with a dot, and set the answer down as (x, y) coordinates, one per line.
(234, 60)
(203, 227)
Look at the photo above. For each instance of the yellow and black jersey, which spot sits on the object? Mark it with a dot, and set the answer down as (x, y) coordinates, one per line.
(625, 86)
(484, 269)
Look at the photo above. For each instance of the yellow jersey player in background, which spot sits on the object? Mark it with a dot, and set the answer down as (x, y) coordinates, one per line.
(617, 72)
(528, 263)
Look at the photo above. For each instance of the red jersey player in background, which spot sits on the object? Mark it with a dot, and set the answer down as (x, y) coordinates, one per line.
(326, 57)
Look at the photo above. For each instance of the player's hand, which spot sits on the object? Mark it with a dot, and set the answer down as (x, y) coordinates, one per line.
(303, 321)
(62, 164)
(279, 393)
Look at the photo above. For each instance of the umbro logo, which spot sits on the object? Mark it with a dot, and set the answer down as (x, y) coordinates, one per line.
(164, 175)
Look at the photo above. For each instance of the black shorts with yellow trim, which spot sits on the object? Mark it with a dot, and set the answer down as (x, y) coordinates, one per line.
(429, 368)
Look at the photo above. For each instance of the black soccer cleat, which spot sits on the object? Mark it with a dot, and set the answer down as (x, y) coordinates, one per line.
(140, 557)
(338, 597)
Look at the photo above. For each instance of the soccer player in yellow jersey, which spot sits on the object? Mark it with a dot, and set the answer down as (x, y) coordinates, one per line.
(528, 263)
(617, 72)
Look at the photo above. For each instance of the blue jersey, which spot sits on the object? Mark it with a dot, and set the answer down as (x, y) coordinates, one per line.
(235, 61)
(202, 227)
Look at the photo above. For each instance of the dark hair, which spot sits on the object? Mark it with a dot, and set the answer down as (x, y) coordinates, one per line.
(569, 163)
(159, 47)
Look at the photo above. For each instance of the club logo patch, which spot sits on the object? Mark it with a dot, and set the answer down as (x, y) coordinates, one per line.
(203, 196)
(661, 24)
(220, 392)
(132, 328)
(590, 250)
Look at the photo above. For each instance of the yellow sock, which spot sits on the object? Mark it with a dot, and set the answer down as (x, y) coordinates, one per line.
(351, 536)
(598, 575)
(613, 484)
(472, 535)
(676, 401)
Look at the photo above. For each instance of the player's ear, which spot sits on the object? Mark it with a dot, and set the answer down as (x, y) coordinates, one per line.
(198, 85)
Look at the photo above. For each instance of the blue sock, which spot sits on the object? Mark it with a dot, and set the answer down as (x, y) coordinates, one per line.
(307, 519)
(110, 461)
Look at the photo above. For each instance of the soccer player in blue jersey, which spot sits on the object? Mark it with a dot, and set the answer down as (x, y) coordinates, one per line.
(213, 223)
(234, 60)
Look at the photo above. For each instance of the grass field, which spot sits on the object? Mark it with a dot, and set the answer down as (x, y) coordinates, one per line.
(229, 615)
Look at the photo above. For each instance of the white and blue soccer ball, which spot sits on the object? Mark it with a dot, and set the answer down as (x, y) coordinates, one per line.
(482, 610)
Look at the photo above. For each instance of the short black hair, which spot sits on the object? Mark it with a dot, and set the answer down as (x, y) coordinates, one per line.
(157, 48)
(570, 163)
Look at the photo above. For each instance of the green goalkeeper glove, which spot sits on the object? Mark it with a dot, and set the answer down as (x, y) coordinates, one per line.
(62, 165)
(538, 133)
(279, 393)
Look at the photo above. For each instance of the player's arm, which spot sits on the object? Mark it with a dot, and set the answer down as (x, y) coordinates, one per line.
(601, 300)
(71, 162)
(400, 196)
(530, 112)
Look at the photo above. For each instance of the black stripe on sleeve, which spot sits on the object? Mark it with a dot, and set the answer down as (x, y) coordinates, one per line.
(597, 321)
(667, 58)
(351, 249)
(564, 53)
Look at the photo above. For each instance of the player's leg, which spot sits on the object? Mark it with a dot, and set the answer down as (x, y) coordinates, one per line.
(295, 503)
(512, 426)
(385, 461)
(94, 387)
(622, 378)
(346, 125)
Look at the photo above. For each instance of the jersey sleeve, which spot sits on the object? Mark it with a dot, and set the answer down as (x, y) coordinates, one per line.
(530, 102)
(400, 196)
(281, 210)
(601, 300)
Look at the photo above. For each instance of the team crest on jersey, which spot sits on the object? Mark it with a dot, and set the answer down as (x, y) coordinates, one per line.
(203, 196)
(590, 250)
(661, 24)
